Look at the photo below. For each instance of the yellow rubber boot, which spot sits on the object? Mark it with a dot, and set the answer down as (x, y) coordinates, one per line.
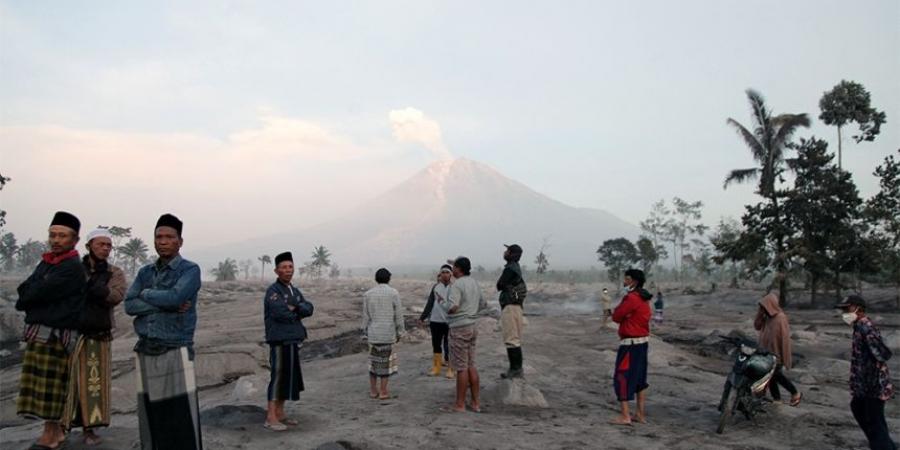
(436, 361)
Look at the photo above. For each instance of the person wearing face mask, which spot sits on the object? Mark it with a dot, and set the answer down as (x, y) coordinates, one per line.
(437, 323)
(870, 379)
(630, 377)
(775, 336)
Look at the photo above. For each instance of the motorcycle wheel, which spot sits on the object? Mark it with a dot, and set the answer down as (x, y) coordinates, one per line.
(727, 410)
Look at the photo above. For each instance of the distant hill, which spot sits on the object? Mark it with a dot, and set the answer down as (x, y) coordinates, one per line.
(450, 208)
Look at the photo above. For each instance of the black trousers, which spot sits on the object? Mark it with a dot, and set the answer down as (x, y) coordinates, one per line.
(440, 332)
(869, 414)
(779, 378)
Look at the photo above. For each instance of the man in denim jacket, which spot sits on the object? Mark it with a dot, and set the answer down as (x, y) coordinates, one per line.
(163, 301)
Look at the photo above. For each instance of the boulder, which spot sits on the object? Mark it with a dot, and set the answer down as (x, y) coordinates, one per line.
(249, 389)
(518, 392)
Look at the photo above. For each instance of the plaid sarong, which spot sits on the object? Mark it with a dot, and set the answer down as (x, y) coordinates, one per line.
(167, 403)
(42, 387)
(87, 397)
(382, 360)
(286, 381)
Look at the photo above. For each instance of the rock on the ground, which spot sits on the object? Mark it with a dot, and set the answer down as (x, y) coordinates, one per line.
(249, 389)
(803, 335)
(518, 392)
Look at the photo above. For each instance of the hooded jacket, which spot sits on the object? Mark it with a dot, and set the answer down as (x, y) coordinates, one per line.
(633, 314)
(774, 330)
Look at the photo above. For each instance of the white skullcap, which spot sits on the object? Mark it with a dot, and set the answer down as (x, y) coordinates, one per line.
(98, 232)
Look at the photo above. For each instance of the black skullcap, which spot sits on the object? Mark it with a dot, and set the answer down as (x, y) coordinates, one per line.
(637, 275)
(67, 220)
(168, 220)
(286, 256)
(382, 276)
(463, 264)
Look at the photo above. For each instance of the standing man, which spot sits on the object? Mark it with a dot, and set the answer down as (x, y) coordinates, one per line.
(90, 369)
(163, 301)
(870, 380)
(437, 323)
(52, 298)
(633, 317)
(284, 310)
(462, 306)
(606, 305)
(512, 297)
(383, 324)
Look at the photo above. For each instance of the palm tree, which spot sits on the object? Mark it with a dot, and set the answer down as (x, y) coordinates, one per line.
(226, 270)
(770, 137)
(136, 251)
(321, 258)
(264, 259)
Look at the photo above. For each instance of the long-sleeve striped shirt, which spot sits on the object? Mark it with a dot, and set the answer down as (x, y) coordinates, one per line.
(382, 316)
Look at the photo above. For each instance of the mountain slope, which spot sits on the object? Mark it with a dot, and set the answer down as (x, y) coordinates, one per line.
(450, 208)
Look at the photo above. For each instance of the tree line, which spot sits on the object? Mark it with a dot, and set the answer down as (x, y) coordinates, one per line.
(128, 252)
(229, 269)
(810, 224)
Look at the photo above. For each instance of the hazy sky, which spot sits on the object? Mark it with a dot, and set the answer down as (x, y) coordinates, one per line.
(247, 118)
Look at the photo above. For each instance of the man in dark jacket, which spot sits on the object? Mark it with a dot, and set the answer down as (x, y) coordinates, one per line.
(870, 379)
(284, 308)
(52, 298)
(163, 301)
(512, 296)
(90, 368)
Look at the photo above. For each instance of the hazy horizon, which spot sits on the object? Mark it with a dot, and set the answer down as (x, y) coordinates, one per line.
(249, 119)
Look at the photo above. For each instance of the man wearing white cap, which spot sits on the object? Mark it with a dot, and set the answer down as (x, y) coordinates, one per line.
(88, 392)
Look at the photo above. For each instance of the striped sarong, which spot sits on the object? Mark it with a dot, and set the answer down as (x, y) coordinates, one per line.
(286, 380)
(382, 360)
(167, 403)
(42, 386)
(90, 373)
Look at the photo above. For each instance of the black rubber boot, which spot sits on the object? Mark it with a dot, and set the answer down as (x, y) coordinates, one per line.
(515, 363)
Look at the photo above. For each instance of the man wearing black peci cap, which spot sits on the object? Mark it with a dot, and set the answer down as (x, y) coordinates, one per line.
(52, 298)
(163, 301)
(284, 307)
(512, 290)
(870, 379)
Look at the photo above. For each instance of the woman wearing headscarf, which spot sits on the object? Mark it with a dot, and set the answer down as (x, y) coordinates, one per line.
(775, 336)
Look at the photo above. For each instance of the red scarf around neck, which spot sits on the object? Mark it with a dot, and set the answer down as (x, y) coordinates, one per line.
(54, 259)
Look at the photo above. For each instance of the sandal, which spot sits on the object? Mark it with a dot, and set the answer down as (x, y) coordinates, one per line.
(796, 401)
(289, 421)
(277, 426)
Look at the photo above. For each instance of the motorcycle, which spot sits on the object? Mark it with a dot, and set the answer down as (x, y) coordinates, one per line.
(750, 376)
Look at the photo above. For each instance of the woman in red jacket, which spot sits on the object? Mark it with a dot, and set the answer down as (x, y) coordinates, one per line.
(633, 316)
